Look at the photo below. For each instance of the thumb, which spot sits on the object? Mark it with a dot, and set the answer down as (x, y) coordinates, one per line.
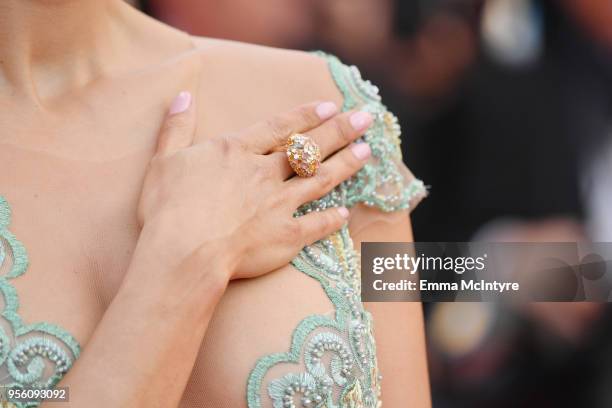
(178, 129)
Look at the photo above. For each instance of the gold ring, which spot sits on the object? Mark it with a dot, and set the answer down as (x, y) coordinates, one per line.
(304, 155)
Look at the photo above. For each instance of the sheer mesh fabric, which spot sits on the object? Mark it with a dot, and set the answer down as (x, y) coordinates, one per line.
(63, 253)
(79, 235)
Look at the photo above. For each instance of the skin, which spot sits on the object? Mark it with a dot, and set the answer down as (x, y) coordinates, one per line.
(83, 93)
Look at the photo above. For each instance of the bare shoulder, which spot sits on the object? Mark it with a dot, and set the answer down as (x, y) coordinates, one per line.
(253, 82)
(294, 71)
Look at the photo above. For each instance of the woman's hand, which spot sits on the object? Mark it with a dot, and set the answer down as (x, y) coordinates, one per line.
(239, 192)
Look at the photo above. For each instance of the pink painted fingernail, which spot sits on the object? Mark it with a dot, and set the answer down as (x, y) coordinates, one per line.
(343, 212)
(326, 110)
(361, 120)
(361, 151)
(180, 103)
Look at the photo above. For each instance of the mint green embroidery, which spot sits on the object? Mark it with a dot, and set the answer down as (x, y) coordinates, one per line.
(332, 360)
(31, 355)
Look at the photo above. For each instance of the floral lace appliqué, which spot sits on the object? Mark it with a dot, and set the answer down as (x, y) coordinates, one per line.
(332, 358)
(31, 355)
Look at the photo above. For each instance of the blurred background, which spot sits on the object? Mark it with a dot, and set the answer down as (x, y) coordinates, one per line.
(506, 107)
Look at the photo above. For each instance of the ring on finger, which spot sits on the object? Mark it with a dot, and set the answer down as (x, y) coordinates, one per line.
(303, 154)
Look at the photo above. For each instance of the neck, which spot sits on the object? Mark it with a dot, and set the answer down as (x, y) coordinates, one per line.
(48, 47)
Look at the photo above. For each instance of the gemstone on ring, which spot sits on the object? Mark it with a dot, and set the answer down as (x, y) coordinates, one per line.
(304, 155)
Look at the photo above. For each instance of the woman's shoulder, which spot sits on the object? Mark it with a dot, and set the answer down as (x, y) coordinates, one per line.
(265, 59)
(255, 82)
(281, 78)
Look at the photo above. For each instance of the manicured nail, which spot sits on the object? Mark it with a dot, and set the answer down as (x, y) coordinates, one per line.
(326, 110)
(344, 213)
(361, 151)
(361, 120)
(180, 103)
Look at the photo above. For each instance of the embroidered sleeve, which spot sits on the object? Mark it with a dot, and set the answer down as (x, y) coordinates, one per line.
(331, 362)
(384, 182)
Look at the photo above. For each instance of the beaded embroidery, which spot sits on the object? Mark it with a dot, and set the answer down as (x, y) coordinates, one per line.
(31, 355)
(38, 355)
(333, 358)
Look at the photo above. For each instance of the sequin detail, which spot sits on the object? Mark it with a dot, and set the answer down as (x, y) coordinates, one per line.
(332, 358)
(31, 355)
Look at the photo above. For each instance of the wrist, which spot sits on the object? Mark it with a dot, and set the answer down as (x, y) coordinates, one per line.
(170, 243)
(164, 251)
(173, 284)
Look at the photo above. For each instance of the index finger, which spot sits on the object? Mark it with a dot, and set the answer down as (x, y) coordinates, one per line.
(265, 136)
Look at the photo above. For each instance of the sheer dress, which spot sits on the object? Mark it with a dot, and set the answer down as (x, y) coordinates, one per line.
(331, 359)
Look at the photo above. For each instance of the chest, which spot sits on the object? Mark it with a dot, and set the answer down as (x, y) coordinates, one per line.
(76, 220)
(72, 178)
(73, 182)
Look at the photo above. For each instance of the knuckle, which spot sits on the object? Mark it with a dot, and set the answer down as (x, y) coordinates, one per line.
(343, 130)
(176, 123)
(294, 230)
(279, 127)
(236, 141)
(308, 115)
(350, 163)
(273, 202)
(225, 145)
(326, 222)
(261, 171)
(278, 162)
(325, 180)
